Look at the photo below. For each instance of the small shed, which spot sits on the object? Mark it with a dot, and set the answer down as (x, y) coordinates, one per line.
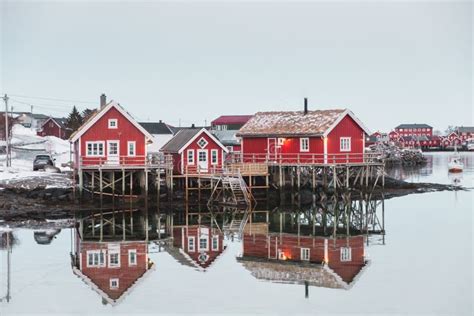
(54, 126)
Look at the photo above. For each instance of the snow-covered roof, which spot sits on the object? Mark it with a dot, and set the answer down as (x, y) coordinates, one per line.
(227, 137)
(296, 123)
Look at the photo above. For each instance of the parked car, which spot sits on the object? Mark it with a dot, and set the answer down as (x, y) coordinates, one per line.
(41, 161)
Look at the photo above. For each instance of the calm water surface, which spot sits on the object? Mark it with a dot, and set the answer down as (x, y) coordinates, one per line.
(423, 267)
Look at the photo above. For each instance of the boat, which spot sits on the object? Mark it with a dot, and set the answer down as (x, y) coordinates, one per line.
(455, 163)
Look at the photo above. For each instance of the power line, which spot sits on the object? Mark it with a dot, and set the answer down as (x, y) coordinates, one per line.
(52, 99)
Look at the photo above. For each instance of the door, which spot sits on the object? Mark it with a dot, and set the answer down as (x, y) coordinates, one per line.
(203, 160)
(272, 149)
(113, 151)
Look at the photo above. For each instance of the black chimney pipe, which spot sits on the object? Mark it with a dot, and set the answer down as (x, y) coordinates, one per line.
(103, 100)
(193, 126)
(305, 106)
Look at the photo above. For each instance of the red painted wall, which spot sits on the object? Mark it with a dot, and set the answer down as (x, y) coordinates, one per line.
(125, 132)
(52, 129)
(126, 274)
(346, 270)
(346, 128)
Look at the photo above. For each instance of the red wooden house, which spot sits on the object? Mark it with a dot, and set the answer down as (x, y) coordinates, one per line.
(229, 122)
(198, 246)
(111, 268)
(195, 150)
(290, 258)
(110, 137)
(54, 127)
(323, 136)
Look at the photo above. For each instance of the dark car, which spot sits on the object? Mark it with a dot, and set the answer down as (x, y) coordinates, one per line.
(41, 161)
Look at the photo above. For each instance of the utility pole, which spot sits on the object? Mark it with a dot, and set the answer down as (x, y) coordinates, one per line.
(7, 134)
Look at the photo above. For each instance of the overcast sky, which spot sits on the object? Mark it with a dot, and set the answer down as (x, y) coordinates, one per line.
(388, 62)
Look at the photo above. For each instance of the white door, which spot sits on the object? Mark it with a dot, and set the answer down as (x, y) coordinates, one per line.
(202, 160)
(113, 150)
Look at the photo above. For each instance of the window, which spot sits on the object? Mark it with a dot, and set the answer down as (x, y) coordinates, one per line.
(305, 254)
(94, 149)
(202, 142)
(132, 257)
(114, 259)
(215, 243)
(132, 149)
(214, 156)
(304, 144)
(190, 157)
(95, 259)
(113, 148)
(202, 156)
(191, 244)
(203, 243)
(113, 123)
(281, 141)
(346, 254)
(345, 143)
(114, 284)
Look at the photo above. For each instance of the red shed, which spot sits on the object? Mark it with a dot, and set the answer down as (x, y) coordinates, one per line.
(110, 137)
(195, 150)
(54, 127)
(323, 136)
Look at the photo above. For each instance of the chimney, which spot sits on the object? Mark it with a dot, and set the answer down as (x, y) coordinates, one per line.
(160, 121)
(305, 106)
(103, 100)
(193, 126)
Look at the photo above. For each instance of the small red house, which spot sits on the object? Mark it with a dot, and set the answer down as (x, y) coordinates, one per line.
(323, 136)
(112, 268)
(195, 150)
(332, 262)
(229, 122)
(110, 137)
(54, 127)
(199, 245)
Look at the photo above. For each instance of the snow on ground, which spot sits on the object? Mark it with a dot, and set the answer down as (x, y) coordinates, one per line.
(25, 146)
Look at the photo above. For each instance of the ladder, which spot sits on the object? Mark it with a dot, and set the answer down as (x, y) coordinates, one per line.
(231, 189)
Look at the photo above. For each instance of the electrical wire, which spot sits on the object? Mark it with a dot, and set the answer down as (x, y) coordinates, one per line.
(51, 99)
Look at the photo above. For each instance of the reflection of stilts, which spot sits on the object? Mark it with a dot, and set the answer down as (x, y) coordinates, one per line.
(8, 236)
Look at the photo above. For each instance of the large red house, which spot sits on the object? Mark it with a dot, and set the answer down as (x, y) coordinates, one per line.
(111, 268)
(54, 127)
(322, 136)
(110, 137)
(198, 245)
(195, 150)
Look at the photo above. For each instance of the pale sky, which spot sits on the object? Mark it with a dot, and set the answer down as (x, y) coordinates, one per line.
(390, 62)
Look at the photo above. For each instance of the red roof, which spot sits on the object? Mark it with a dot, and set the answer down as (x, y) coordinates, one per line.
(231, 119)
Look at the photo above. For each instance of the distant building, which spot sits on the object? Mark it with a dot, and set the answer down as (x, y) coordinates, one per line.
(161, 133)
(54, 127)
(414, 130)
(229, 139)
(230, 122)
(30, 120)
(465, 132)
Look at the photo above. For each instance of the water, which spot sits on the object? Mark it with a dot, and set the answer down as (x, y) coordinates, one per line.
(424, 266)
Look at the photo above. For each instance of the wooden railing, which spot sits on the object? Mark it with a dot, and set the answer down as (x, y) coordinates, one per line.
(155, 161)
(304, 158)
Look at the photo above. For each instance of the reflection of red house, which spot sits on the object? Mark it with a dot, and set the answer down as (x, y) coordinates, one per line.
(111, 268)
(324, 261)
(197, 245)
(323, 136)
(195, 150)
(54, 127)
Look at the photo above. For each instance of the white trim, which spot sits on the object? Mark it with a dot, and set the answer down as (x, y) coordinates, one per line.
(115, 265)
(117, 281)
(205, 143)
(100, 264)
(349, 141)
(111, 104)
(217, 156)
(134, 148)
(207, 243)
(198, 163)
(112, 120)
(100, 142)
(130, 251)
(341, 117)
(194, 244)
(346, 254)
(199, 134)
(303, 254)
(54, 121)
(212, 243)
(301, 144)
(187, 157)
(325, 144)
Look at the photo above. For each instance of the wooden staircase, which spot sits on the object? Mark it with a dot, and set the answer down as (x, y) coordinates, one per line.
(231, 189)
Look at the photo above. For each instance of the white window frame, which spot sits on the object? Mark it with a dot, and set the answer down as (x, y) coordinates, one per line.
(114, 265)
(216, 246)
(134, 143)
(347, 142)
(192, 243)
(111, 281)
(207, 243)
(346, 254)
(115, 126)
(190, 162)
(302, 141)
(280, 141)
(100, 263)
(205, 144)
(305, 254)
(216, 153)
(97, 143)
(130, 252)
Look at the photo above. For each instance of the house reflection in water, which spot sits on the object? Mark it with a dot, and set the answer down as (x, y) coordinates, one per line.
(198, 240)
(111, 252)
(305, 248)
